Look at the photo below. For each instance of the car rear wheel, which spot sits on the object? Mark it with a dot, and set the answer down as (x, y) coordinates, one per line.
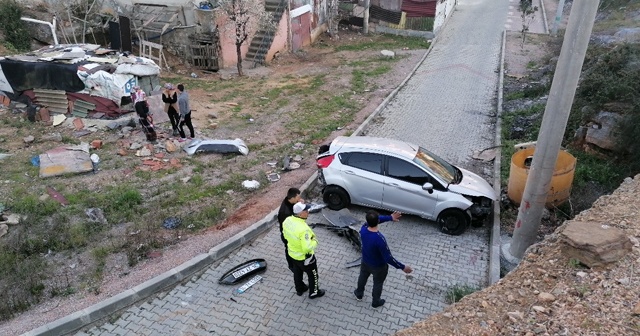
(336, 198)
(453, 222)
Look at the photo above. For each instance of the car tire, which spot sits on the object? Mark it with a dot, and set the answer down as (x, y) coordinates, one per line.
(336, 198)
(453, 222)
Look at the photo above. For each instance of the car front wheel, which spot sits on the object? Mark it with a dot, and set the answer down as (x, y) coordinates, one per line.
(453, 222)
(336, 198)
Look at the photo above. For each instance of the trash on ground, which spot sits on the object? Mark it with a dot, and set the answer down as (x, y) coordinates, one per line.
(236, 146)
(4, 155)
(66, 160)
(249, 284)
(96, 215)
(273, 177)
(388, 53)
(251, 184)
(57, 196)
(485, 155)
(272, 164)
(171, 223)
(28, 139)
(35, 161)
(293, 165)
(59, 119)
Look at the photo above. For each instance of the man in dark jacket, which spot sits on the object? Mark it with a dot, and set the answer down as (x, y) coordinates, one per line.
(286, 210)
(376, 257)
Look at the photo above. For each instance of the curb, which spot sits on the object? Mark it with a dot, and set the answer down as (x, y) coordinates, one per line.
(79, 319)
(494, 241)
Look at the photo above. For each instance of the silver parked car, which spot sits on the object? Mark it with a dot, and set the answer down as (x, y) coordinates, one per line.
(398, 176)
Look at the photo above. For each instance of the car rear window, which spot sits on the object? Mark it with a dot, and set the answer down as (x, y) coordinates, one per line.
(365, 161)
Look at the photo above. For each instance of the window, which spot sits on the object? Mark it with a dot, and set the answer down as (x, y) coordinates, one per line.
(366, 161)
(408, 172)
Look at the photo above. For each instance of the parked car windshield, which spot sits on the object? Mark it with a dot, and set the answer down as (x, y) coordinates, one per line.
(437, 166)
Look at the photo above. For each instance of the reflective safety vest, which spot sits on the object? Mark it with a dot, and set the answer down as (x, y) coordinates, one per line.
(301, 241)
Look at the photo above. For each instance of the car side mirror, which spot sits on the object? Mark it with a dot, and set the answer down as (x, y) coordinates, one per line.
(428, 187)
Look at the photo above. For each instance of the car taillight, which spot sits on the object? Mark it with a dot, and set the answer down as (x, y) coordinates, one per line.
(324, 161)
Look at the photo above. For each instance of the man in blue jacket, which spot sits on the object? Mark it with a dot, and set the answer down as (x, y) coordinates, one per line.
(376, 257)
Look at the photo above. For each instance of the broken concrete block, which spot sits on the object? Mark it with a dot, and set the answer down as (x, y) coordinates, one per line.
(593, 243)
(388, 53)
(96, 144)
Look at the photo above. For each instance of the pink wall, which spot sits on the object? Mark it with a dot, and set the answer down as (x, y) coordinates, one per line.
(228, 46)
(281, 38)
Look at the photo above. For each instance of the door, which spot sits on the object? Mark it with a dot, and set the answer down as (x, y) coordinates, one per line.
(403, 191)
(300, 31)
(362, 175)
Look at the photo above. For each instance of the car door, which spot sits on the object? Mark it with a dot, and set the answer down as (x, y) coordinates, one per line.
(403, 191)
(362, 176)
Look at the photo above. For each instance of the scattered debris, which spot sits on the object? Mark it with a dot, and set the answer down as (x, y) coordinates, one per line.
(57, 196)
(297, 158)
(273, 177)
(78, 124)
(143, 152)
(293, 165)
(28, 139)
(4, 155)
(96, 215)
(135, 146)
(272, 164)
(66, 160)
(298, 145)
(81, 133)
(251, 184)
(486, 155)
(170, 146)
(236, 146)
(171, 223)
(59, 119)
(388, 53)
(243, 271)
(95, 159)
(96, 144)
(57, 137)
(13, 219)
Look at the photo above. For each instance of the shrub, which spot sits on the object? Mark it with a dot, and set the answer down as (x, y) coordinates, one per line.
(14, 29)
(457, 292)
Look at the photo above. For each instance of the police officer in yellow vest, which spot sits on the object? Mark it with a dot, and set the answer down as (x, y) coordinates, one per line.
(301, 244)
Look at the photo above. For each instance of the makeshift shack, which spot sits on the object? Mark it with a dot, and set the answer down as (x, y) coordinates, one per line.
(82, 79)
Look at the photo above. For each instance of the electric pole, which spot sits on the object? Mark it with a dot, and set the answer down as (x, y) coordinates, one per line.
(554, 122)
(556, 23)
(365, 24)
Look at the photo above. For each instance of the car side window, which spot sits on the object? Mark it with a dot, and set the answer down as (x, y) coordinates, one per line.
(365, 161)
(408, 172)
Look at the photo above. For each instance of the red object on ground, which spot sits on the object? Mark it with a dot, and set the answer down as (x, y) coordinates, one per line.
(97, 144)
(57, 196)
(78, 124)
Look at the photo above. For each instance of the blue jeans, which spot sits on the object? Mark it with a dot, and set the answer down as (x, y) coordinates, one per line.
(379, 275)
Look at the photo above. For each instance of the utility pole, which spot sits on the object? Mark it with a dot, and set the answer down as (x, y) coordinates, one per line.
(556, 23)
(554, 122)
(365, 24)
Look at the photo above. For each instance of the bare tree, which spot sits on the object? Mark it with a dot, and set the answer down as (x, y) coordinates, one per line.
(527, 13)
(244, 17)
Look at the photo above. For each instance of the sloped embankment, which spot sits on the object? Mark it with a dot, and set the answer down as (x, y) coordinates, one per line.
(549, 293)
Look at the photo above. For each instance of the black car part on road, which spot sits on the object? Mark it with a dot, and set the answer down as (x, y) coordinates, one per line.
(243, 271)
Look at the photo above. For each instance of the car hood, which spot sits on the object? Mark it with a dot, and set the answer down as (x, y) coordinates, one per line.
(473, 185)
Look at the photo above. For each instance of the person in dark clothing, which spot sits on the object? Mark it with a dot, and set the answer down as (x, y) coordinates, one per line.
(185, 113)
(170, 100)
(376, 257)
(286, 210)
(139, 98)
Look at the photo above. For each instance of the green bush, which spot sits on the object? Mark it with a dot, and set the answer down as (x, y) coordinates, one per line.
(457, 292)
(14, 29)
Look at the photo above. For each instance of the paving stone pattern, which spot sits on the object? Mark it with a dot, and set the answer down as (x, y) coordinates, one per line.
(447, 106)
(271, 307)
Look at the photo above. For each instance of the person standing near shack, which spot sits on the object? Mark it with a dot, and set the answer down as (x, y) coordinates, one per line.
(139, 98)
(185, 113)
(170, 100)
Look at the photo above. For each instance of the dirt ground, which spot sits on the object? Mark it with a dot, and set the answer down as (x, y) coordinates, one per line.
(234, 112)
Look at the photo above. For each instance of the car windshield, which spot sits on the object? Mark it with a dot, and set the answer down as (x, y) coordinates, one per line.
(437, 166)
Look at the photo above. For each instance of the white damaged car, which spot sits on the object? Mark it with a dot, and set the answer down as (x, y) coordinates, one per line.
(398, 176)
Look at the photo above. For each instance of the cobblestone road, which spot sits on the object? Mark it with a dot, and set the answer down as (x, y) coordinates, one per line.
(448, 108)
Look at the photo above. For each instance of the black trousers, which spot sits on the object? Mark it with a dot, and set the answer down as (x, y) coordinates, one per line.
(379, 275)
(289, 259)
(174, 117)
(299, 268)
(186, 121)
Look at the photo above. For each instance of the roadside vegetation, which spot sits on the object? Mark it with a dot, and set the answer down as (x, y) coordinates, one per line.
(41, 257)
(610, 81)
